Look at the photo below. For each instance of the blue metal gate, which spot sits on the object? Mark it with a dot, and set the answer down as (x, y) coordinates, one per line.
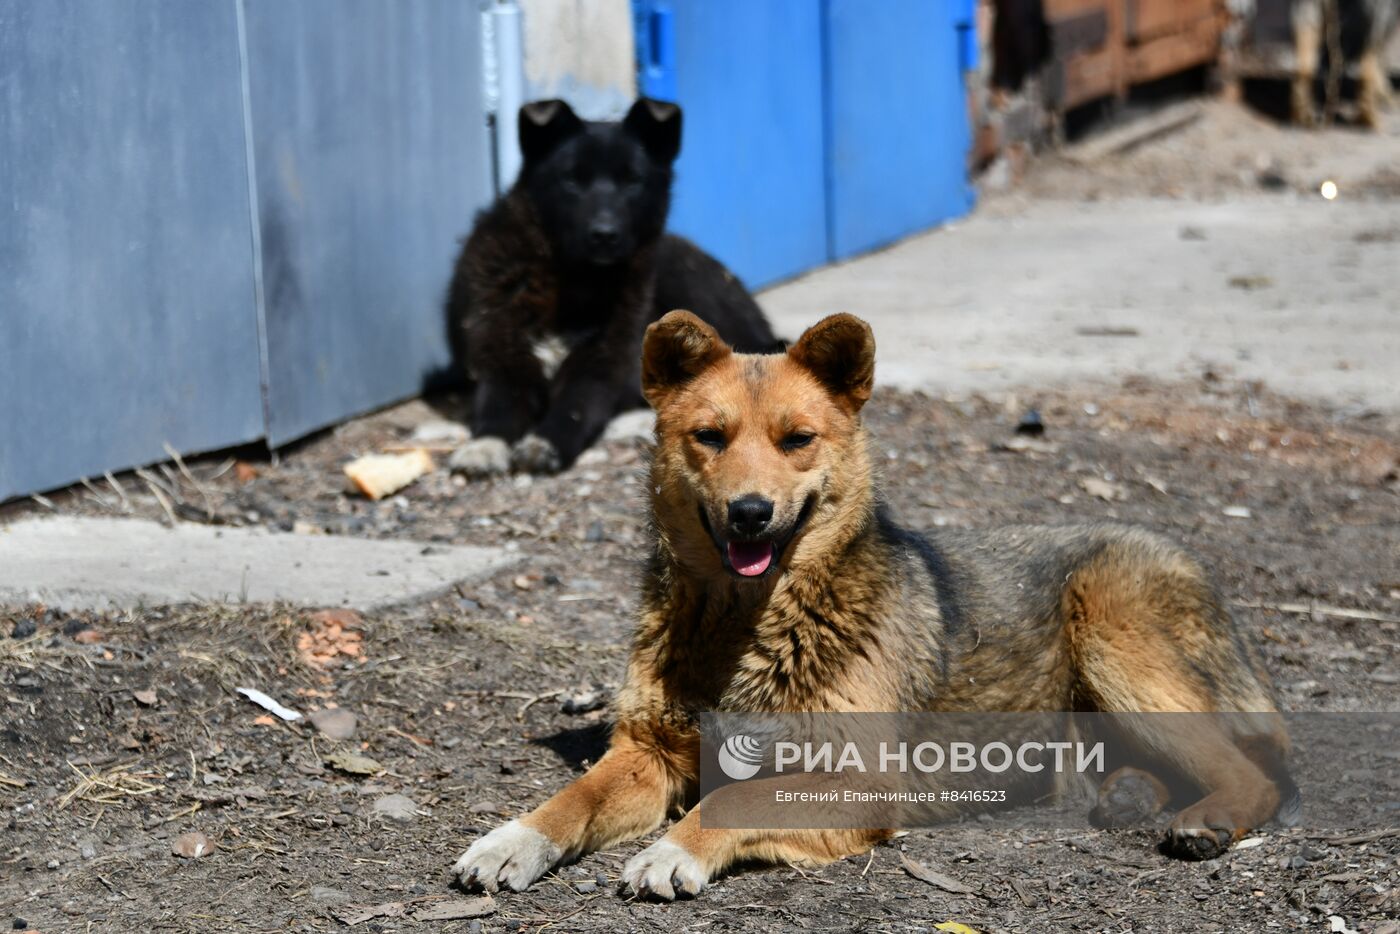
(814, 129)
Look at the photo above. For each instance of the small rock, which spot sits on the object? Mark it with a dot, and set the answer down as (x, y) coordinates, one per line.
(323, 895)
(638, 425)
(440, 432)
(1237, 512)
(88, 637)
(1271, 178)
(302, 527)
(593, 457)
(484, 807)
(87, 850)
(353, 763)
(146, 698)
(73, 626)
(1103, 489)
(586, 887)
(1293, 862)
(337, 722)
(1031, 424)
(25, 627)
(481, 457)
(192, 845)
(396, 807)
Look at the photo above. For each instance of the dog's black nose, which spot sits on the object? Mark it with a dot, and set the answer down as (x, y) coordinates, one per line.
(749, 515)
(604, 235)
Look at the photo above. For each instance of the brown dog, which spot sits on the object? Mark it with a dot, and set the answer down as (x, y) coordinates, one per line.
(777, 584)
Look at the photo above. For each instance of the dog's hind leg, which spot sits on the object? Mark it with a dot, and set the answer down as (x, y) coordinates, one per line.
(1374, 93)
(1152, 647)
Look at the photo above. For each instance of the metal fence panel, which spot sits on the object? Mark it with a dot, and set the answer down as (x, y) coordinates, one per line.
(371, 156)
(126, 308)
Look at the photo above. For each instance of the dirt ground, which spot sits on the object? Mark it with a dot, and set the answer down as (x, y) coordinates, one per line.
(459, 700)
(122, 732)
(1229, 149)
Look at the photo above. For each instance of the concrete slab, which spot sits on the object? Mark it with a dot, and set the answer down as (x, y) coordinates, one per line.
(95, 563)
(1299, 293)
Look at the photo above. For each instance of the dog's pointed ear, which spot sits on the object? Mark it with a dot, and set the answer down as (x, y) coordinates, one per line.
(840, 352)
(658, 125)
(677, 349)
(544, 125)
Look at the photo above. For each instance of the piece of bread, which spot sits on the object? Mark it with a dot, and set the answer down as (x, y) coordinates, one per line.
(378, 475)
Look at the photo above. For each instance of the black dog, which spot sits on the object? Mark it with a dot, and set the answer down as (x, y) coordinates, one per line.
(560, 278)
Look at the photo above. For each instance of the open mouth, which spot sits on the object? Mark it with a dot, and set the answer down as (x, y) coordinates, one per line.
(754, 558)
(750, 559)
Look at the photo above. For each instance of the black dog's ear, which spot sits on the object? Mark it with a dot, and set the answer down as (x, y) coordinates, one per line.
(677, 349)
(840, 352)
(544, 125)
(658, 125)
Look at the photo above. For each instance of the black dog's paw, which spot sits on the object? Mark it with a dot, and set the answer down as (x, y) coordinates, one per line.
(533, 454)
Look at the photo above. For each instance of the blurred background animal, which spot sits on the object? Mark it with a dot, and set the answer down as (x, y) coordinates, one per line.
(560, 277)
(1329, 34)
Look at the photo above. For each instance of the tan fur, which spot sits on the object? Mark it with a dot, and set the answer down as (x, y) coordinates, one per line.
(854, 619)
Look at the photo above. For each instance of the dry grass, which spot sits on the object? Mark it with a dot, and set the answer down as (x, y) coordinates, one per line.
(116, 784)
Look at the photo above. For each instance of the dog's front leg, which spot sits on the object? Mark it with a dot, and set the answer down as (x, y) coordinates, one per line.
(625, 795)
(587, 393)
(683, 862)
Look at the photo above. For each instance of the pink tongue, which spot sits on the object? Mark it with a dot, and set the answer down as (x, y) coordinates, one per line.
(750, 558)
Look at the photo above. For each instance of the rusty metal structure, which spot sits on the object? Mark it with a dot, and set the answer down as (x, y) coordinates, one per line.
(1102, 48)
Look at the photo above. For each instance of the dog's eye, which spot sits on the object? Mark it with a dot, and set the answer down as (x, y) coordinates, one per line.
(711, 438)
(798, 439)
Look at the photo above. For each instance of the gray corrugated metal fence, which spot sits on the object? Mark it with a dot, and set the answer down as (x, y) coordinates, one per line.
(158, 158)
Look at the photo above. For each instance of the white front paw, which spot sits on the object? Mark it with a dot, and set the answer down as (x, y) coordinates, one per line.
(512, 855)
(664, 870)
(481, 457)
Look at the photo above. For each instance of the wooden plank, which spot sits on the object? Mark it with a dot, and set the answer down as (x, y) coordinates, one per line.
(1173, 53)
(1149, 19)
(1089, 77)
